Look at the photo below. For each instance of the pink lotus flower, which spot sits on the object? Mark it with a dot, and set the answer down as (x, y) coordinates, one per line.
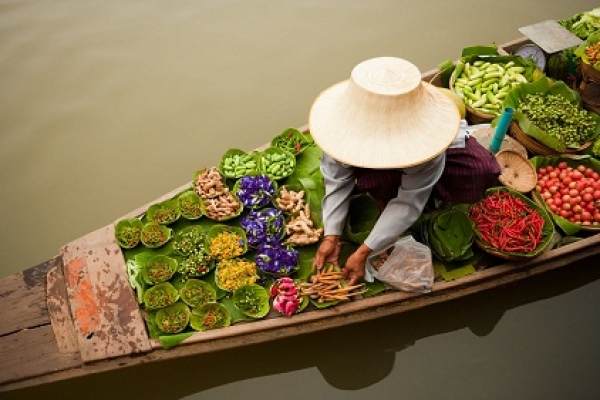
(287, 299)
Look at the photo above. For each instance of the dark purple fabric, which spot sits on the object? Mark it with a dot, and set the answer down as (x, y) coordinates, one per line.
(382, 184)
(468, 173)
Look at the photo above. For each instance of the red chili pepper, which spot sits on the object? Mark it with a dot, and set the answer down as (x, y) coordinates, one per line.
(506, 222)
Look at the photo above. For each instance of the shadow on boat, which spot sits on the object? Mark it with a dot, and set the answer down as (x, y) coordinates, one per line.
(349, 358)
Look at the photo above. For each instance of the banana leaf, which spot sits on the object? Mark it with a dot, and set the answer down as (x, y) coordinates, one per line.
(362, 216)
(542, 86)
(448, 232)
(234, 313)
(450, 235)
(135, 279)
(446, 68)
(450, 274)
(580, 50)
(480, 51)
(308, 174)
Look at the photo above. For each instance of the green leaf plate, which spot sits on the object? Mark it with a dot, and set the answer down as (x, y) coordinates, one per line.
(292, 140)
(165, 212)
(249, 163)
(155, 235)
(174, 318)
(159, 296)
(196, 293)
(210, 316)
(128, 232)
(191, 205)
(270, 169)
(160, 268)
(235, 245)
(252, 300)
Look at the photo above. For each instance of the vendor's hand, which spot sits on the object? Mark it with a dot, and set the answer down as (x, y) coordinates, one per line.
(354, 270)
(328, 252)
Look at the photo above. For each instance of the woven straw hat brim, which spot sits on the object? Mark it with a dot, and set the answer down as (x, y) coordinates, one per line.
(380, 131)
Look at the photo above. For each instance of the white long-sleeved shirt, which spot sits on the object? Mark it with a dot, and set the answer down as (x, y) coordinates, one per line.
(400, 212)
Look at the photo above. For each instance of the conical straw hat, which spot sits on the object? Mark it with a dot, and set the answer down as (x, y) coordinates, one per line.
(384, 116)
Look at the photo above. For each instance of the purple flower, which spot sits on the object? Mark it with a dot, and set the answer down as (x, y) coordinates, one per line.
(255, 191)
(263, 226)
(276, 258)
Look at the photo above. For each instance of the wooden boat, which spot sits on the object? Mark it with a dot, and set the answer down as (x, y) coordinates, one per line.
(44, 337)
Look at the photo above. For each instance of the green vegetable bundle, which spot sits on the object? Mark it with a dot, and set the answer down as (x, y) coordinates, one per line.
(484, 81)
(559, 125)
(449, 234)
(583, 24)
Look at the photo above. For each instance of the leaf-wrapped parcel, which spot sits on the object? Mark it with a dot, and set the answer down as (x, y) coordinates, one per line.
(449, 234)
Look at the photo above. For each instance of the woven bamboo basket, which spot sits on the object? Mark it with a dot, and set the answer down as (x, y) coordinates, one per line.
(590, 96)
(537, 148)
(494, 252)
(589, 73)
(517, 172)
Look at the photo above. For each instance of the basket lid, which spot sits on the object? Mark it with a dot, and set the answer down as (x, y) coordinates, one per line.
(517, 172)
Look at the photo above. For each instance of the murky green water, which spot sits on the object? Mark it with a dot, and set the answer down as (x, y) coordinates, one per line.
(89, 91)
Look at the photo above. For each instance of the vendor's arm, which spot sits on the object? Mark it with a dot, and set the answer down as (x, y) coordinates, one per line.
(399, 214)
(403, 211)
(339, 183)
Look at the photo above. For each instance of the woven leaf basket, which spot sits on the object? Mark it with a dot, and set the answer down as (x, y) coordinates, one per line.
(517, 172)
(537, 148)
(589, 73)
(590, 96)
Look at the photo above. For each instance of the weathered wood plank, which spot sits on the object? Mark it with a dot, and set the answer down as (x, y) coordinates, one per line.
(23, 297)
(107, 319)
(59, 310)
(30, 353)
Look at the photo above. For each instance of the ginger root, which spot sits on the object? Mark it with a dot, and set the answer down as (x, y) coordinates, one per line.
(290, 201)
(210, 184)
(301, 230)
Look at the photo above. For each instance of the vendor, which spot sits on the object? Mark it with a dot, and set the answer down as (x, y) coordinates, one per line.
(384, 131)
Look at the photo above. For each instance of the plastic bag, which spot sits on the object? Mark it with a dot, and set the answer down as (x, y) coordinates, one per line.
(408, 267)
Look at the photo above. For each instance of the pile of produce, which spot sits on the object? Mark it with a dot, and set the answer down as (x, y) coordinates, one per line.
(559, 118)
(449, 234)
(484, 81)
(583, 24)
(571, 193)
(551, 114)
(570, 189)
(204, 258)
(327, 287)
(510, 225)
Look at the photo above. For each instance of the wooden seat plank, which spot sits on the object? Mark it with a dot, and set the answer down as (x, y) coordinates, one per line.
(59, 311)
(30, 353)
(24, 299)
(107, 319)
